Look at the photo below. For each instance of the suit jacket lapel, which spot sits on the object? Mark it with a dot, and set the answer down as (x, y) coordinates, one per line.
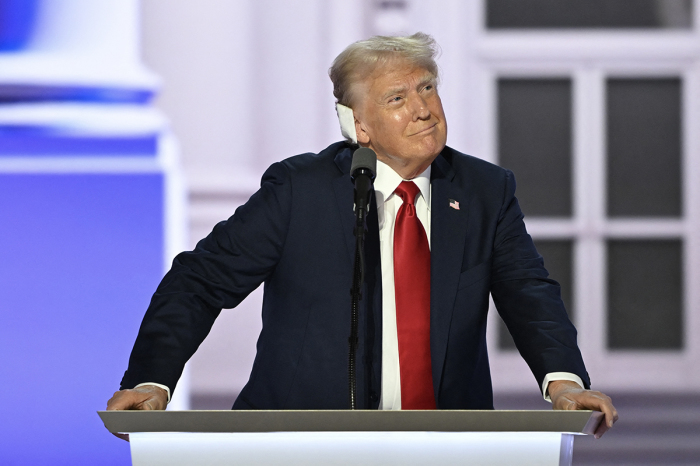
(448, 229)
(371, 321)
(344, 196)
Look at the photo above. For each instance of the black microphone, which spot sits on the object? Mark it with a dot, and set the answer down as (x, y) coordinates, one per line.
(362, 173)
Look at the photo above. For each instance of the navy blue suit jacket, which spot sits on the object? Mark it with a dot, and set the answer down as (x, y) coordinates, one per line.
(295, 235)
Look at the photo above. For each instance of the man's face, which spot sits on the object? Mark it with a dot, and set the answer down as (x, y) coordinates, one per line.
(399, 115)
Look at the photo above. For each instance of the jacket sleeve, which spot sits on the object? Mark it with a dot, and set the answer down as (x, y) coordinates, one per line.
(528, 301)
(226, 266)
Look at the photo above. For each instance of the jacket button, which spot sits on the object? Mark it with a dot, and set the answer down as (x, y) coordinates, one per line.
(373, 396)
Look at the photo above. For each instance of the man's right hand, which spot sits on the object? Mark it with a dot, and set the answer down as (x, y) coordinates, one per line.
(147, 397)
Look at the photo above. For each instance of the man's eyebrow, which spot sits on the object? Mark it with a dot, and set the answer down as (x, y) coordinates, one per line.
(393, 90)
(427, 79)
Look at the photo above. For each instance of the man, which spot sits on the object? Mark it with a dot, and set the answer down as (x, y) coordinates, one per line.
(446, 231)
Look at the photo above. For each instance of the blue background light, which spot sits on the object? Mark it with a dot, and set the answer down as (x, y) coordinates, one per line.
(81, 255)
(16, 23)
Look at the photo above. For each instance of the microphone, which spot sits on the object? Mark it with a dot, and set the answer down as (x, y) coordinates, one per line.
(363, 170)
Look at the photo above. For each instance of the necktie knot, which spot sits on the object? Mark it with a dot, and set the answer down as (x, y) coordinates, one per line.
(407, 191)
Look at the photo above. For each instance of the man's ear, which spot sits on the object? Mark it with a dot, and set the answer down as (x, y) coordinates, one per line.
(362, 136)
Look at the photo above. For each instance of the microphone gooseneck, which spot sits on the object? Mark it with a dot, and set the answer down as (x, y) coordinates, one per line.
(362, 173)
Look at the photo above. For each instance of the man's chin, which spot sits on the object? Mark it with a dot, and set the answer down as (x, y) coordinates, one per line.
(432, 149)
(420, 163)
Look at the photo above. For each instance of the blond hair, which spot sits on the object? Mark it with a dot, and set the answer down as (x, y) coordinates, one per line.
(360, 59)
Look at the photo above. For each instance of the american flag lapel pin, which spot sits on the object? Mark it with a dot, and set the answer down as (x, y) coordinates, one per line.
(454, 204)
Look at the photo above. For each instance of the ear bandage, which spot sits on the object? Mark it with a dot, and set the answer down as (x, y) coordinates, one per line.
(347, 122)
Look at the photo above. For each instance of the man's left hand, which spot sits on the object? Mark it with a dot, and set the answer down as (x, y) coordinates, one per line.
(567, 395)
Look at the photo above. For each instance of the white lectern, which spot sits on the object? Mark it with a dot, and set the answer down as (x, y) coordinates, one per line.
(369, 438)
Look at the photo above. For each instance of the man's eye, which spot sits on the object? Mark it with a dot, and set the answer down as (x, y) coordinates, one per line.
(395, 99)
(429, 87)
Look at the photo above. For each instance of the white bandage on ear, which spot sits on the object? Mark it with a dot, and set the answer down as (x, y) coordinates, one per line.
(347, 122)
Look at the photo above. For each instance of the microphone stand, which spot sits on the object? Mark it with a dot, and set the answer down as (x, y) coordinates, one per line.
(362, 174)
(356, 295)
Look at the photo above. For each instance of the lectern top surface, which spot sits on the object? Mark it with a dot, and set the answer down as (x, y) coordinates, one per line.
(582, 422)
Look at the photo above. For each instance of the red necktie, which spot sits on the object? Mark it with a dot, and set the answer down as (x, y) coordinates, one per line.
(412, 285)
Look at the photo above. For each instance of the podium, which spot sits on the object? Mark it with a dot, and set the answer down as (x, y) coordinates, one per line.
(218, 438)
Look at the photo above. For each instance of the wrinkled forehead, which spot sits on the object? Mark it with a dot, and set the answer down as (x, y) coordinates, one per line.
(387, 75)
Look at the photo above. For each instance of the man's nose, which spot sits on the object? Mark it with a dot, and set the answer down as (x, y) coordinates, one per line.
(420, 108)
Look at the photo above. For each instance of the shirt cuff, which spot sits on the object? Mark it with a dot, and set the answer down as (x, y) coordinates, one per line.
(552, 376)
(164, 387)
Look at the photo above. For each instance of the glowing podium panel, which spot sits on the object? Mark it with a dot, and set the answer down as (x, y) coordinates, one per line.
(370, 438)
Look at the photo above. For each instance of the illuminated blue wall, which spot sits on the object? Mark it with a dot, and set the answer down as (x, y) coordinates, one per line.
(86, 220)
(81, 255)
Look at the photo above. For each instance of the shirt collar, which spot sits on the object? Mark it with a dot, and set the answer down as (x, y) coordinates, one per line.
(388, 180)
